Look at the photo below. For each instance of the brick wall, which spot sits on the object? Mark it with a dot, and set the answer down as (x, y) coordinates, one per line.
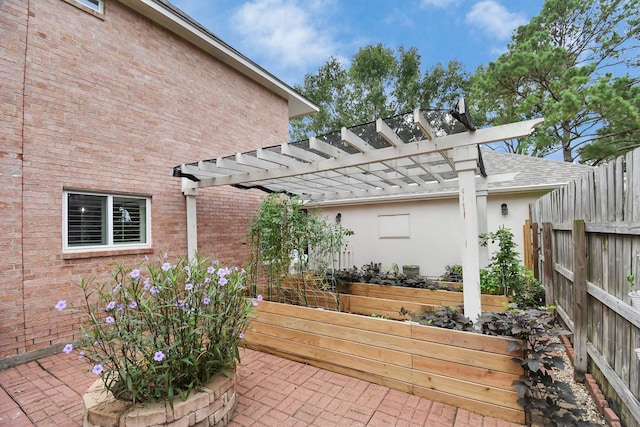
(112, 104)
(13, 19)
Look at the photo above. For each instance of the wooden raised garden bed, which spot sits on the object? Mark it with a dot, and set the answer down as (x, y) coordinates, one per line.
(467, 370)
(368, 299)
(425, 297)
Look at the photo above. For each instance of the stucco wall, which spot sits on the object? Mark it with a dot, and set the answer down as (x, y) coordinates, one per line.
(110, 103)
(434, 239)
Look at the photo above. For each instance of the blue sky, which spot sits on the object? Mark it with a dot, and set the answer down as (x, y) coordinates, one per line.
(291, 38)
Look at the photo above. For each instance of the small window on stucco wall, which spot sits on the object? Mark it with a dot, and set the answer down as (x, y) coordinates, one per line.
(393, 226)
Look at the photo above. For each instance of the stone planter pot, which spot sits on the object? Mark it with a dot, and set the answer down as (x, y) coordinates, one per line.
(411, 270)
(212, 405)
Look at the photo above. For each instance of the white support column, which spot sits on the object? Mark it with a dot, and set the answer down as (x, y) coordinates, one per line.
(465, 160)
(482, 192)
(190, 192)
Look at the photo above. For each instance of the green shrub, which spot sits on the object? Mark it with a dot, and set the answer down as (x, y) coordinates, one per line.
(162, 329)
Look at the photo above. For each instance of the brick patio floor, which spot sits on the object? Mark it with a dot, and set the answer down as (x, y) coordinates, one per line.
(272, 391)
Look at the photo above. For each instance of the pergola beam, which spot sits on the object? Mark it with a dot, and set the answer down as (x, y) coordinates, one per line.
(481, 136)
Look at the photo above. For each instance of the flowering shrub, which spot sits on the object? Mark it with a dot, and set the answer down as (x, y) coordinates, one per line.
(161, 330)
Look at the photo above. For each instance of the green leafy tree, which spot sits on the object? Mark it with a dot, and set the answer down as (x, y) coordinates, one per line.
(575, 64)
(380, 82)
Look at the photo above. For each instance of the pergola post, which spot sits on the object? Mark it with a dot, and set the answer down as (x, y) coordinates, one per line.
(482, 193)
(465, 161)
(191, 192)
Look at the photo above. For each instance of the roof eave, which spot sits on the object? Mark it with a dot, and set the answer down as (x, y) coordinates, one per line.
(197, 35)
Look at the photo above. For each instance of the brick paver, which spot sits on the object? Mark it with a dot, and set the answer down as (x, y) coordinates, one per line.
(272, 391)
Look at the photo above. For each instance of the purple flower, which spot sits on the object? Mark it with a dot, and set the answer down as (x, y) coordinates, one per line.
(133, 304)
(240, 335)
(154, 290)
(61, 305)
(180, 303)
(147, 284)
(119, 307)
(111, 306)
(187, 268)
(259, 297)
(254, 303)
(165, 256)
(224, 272)
(166, 266)
(135, 273)
(116, 289)
(110, 319)
(206, 301)
(146, 257)
(81, 355)
(68, 348)
(97, 369)
(211, 270)
(158, 356)
(222, 281)
(207, 279)
(188, 287)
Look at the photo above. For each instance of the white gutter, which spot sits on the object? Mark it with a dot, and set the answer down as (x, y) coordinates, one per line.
(199, 36)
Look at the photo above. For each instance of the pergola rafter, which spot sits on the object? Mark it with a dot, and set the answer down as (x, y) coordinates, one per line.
(367, 162)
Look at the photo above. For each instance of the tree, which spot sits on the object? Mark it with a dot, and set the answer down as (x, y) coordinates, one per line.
(379, 83)
(575, 64)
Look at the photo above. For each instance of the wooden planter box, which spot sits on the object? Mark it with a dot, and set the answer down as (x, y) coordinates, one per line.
(368, 299)
(467, 370)
(425, 297)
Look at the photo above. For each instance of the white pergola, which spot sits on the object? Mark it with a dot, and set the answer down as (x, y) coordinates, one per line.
(370, 161)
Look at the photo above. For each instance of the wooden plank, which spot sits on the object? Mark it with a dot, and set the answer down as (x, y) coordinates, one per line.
(535, 250)
(580, 300)
(372, 350)
(507, 414)
(345, 370)
(334, 318)
(463, 339)
(618, 385)
(437, 382)
(382, 340)
(491, 377)
(548, 263)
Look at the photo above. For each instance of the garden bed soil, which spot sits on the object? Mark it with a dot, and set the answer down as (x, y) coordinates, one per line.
(471, 371)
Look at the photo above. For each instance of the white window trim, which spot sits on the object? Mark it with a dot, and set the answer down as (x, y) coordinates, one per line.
(97, 8)
(110, 246)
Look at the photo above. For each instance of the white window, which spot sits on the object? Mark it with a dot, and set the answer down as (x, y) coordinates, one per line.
(93, 4)
(103, 221)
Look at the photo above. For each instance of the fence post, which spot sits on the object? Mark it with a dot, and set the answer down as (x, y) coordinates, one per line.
(580, 299)
(550, 298)
(535, 243)
(526, 244)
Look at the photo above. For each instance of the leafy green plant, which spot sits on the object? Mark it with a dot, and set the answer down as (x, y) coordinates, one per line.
(442, 317)
(162, 329)
(453, 273)
(540, 393)
(506, 274)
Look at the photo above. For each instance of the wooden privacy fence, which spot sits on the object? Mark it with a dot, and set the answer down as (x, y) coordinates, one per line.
(587, 240)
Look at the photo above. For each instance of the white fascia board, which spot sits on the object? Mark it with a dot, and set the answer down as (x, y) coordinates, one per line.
(298, 105)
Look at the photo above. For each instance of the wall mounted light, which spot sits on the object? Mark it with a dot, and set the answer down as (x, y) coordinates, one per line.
(338, 218)
(504, 209)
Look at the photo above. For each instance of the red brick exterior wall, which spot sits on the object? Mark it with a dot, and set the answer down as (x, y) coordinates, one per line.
(110, 103)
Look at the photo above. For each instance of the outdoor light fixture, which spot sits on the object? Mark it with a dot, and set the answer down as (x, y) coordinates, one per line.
(461, 114)
(505, 209)
(338, 218)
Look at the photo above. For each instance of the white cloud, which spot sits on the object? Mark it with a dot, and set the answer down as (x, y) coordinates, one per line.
(283, 32)
(494, 19)
(441, 4)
